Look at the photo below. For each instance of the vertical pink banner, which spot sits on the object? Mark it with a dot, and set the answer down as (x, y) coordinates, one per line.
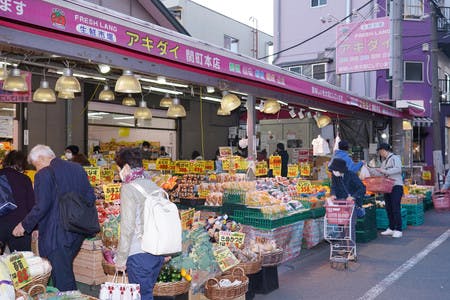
(363, 46)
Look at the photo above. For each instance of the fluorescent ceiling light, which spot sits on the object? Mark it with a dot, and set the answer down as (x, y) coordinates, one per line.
(124, 118)
(212, 99)
(95, 117)
(125, 124)
(155, 89)
(163, 83)
(282, 103)
(80, 75)
(317, 109)
(98, 78)
(234, 92)
(100, 113)
(8, 108)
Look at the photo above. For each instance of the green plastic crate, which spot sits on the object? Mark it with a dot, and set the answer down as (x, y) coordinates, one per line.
(369, 221)
(415, 213)
(317, 212)
(366, 236)
(383, 221)
(268, 224)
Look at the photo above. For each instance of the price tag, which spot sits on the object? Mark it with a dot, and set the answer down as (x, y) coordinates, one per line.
(242, 165)
(198, 167)
(261, 168)
(93, 175)
(292, 170)
(227, 237)
(209, 165)
(145, 164)
(172, 166)
(226, 164)
(225, 151)
(18, 269)
(305, 169)
(112, 192)
(426, 175)
(163, 164)
(203, 193)
(304, 187)
(187, 219)
(93, 162)
(106, 174)
(276, 171)
(182, 166)
(275, 162)
(225, 258)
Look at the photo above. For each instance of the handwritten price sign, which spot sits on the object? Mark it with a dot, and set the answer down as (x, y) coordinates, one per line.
(112, 192)
(93, 174)
(209, 165)
(187, 218)
(227, 237)
(304, 187)
(261, 168)
(242, 165)
(93, 162)
(107, 175)
(182, 166)
(292, 171)
(198, 167)
(305, 169)
(18, 269)
(226, 164)
(163, 164)
(274, 162)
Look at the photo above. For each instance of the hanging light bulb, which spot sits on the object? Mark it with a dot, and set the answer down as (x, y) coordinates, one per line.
(143, 112)
(129, 101)
(104, 68)
(166, 101)
(271, 106)
(229, 101)
(221, 112)
(322, 121)
(66, 95)
(106, 94)
(3, 71)
(67, 82)
(15, 82)
(176, 110)
(44, 93)
(128, 83)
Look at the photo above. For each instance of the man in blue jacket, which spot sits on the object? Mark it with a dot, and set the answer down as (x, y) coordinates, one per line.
(342, 153)
(55, 177)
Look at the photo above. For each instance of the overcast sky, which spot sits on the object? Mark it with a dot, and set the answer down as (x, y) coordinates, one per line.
(243, 10)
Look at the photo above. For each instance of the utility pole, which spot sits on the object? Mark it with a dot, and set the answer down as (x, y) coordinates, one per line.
(435, 109)
(396, 73)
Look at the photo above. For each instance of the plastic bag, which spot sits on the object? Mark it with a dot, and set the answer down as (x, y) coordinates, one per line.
(360, 212)
(364, 172)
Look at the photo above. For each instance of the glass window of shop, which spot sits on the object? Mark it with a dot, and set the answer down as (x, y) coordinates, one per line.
(8, 128)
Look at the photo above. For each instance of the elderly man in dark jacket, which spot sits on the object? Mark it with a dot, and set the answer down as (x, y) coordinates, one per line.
(55, 177)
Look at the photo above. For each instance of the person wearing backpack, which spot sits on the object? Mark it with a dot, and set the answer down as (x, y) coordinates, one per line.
(22, 193)
(54, 179)
(142, 267)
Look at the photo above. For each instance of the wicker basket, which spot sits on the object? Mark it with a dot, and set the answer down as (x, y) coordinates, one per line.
(214, 292)
(37, 285)
(379, 184)
(272, 258)
(108, 268)
(171, 288)
(249, 268)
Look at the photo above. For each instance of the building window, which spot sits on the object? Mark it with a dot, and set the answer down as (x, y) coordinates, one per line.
(304, 70)
(316, 3)
(413, 71)
(319, 71)
(413, 9)
(296, 69)
(231, 43)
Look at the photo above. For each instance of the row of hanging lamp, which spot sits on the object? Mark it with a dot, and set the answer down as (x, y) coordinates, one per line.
(129, 101)
(166, 101)
(67, 82)
(44, 93)
(229, 101)
(106, 94)
(128, 83)
(271, 106)
(143, 112)
(15, 82)
(176, 110)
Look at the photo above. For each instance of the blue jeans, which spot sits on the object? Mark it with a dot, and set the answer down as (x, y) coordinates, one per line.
(393, 207)
(143, 268)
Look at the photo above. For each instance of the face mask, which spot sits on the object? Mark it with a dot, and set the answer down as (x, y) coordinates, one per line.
(68, 155)
(337, 173)
(145, 149)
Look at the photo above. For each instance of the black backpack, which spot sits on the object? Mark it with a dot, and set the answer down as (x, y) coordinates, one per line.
(7, 203)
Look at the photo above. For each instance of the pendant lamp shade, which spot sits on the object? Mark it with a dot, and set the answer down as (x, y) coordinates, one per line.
(106, 94)
(271, 106)
(323, 121)
(221, 112)
(66, 95)
(166, 101)
(229, 101)
(176, 110)
(143, 112)
(128, 83)
(3, 71)
(129, 101)
(67, 82)
(44, 93)
(15, 82)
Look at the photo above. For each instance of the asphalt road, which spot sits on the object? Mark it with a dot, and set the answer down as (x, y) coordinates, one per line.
(416, 266)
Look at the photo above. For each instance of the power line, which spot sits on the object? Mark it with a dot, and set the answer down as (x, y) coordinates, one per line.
(316, 35)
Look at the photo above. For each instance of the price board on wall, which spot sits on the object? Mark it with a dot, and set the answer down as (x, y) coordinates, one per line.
(94, 175)
(292, 171)
(261, 168)
(182, 166)
(112, 192)
(163, 164)
(18, 270)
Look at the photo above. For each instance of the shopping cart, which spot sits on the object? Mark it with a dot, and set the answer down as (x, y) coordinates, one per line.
(339, 231)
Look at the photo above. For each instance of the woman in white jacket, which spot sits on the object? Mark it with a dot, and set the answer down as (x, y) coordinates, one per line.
(391, 167)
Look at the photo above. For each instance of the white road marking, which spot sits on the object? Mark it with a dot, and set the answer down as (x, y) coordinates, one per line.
(391, 278)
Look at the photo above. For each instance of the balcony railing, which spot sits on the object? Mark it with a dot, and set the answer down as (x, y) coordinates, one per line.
(444, 91)
(443, 19)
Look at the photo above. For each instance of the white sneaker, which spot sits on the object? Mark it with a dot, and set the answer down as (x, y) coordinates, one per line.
(388, 232)
(397, 234)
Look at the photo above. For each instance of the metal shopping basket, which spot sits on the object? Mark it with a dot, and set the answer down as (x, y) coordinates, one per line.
(339, 231)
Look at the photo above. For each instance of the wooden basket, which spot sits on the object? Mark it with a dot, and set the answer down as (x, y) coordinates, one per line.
(214, 292)
(171, 288)
(272, 258)
(108, 268)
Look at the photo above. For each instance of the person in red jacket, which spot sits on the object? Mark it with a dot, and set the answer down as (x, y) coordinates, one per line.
(14, 165)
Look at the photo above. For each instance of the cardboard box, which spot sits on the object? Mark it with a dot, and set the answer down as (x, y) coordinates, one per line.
(87, 267)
